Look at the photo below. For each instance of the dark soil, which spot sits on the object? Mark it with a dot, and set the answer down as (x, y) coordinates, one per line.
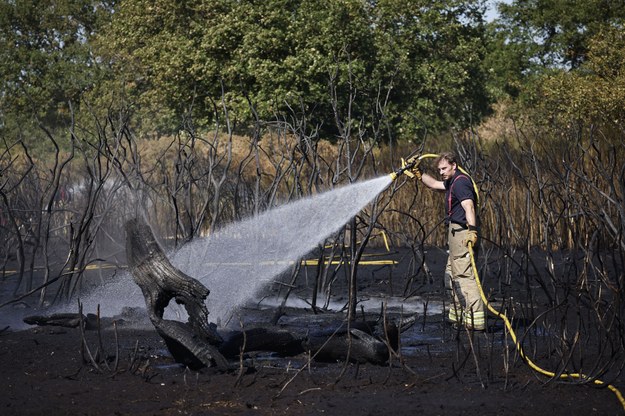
(43, 373)
(441, 371)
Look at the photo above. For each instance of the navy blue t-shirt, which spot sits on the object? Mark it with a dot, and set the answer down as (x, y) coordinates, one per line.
(458, 188)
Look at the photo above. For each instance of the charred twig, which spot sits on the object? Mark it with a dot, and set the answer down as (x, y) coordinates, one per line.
(241, 353)
(84, 346)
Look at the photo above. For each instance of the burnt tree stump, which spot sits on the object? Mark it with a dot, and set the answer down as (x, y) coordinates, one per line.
(194, 343)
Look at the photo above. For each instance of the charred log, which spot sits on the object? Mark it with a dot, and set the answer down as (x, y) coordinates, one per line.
(355, 345)
(194, 343)
(360, 341)
(391, 330)
(282, 342)
(67, 320)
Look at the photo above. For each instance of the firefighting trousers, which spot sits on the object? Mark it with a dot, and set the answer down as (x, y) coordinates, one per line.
(466, 306)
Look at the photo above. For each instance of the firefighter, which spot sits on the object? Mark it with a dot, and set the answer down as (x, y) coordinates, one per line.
(461, 222)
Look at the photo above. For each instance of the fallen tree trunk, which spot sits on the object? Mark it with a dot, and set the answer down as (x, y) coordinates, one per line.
(355, 346)
(280, 341)
(194, 343)
(67, 320)
(358, 341)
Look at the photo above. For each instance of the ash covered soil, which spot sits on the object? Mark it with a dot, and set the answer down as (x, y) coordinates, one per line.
(46, 370)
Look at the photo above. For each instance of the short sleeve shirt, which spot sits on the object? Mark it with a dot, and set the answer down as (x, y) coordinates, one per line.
(457, 189)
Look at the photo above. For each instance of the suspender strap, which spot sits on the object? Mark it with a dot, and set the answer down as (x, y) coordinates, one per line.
(451, 187)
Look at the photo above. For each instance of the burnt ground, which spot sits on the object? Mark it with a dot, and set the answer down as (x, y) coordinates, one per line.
(441, 371)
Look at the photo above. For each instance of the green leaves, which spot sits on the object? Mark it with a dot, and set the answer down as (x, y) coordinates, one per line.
(391, 66)
(46, 63)
(554, 57)
(420, 58)
(45, 58)
(595, 94)
(558, 31)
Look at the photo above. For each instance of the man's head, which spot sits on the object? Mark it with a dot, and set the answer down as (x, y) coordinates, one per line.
(447, 165)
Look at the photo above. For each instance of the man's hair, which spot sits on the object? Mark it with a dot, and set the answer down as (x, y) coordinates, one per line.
(450, 157)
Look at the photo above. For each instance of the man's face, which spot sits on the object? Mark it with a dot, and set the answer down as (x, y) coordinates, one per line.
(446, 169)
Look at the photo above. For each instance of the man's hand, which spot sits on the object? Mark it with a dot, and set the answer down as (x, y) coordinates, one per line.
(411, 172)
(416, 171)
(471, 236)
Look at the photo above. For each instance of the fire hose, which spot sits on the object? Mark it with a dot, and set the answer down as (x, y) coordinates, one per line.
(518, 346)
(406, 168)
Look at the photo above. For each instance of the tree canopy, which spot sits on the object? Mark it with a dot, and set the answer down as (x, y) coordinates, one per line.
(401, 67)
(593, 95)
(558, 31)
(46, 60)
(416, 64)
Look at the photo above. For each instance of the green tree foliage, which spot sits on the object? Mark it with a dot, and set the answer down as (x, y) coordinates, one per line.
(506, 63)
(533, 39)
(557, 32)
(414, 64)
(432, 53)
(45, 59)
(594, 94)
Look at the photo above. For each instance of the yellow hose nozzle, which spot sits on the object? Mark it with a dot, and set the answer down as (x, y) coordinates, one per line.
(406, 166)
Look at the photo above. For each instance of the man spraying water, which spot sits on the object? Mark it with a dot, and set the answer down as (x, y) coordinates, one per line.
(461, 221)
(461, 275)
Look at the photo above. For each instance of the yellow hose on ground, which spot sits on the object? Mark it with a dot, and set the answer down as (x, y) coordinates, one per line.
(518, 345)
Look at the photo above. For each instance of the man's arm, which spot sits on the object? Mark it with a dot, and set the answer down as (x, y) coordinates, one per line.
(432, 183)
(469, 210)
